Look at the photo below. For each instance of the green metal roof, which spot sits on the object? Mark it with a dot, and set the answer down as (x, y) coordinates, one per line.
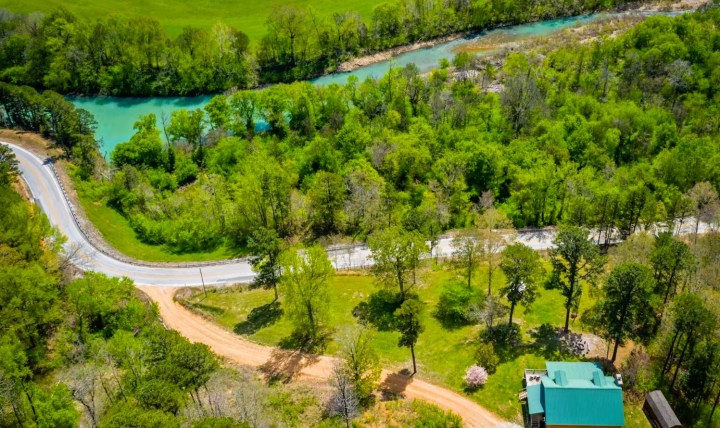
(586, 396)
(574, 370)
(534, 399)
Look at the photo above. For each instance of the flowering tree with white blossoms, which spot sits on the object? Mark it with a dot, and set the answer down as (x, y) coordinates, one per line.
(476, 376)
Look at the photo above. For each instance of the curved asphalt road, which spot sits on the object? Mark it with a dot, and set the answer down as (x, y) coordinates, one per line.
(44, 186)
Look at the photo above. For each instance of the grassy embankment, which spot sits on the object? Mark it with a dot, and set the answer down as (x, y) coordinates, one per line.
(443, 354)
(247, 16)
(116, 230)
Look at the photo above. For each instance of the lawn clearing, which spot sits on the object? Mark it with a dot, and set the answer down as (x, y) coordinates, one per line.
(174, 15)
(443, 354)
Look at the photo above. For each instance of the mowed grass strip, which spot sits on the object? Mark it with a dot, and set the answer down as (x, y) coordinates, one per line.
(174, 15)
(116, 230)
(443, 354)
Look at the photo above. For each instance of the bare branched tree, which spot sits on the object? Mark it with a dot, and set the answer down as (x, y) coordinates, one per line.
(343, 402)
(83, 381)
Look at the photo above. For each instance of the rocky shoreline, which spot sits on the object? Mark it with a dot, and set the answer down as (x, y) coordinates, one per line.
(377, 57)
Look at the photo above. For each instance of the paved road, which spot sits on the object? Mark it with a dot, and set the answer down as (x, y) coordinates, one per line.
(46, 190)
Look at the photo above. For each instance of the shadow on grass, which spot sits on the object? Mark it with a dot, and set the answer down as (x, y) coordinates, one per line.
(506, 339)
(301, 341)
(469, 390)
(378, 310)
(260, 317)
(213, 310)
(552, 342)
(450, 321)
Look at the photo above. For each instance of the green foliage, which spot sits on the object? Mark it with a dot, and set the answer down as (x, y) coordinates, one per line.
(629, 305)
(467, 251)
(431, 416)
(103, 305)
(160, 395)
(218, 422)
(8, 166)
(671, 259)
(304, 285)
(133, 415)
(294, 42)
(692, 322)
(265, 245)
(454, 305)
(360, 362)
(144, 148)
(413, 413)
(485, 356)
(409, 324)
(521, 266)
(55, 408)
(52, 116)
(425, 153)
(396, 256)
(575, 260)
(505, 339)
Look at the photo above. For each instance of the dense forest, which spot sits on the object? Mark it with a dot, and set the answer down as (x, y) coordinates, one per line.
(616, 135)
(115, 56)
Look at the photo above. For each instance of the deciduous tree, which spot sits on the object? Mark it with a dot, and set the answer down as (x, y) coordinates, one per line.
(467, 253)
(396, 256)
(494, 233)
(409, 324)
(576, 260)
(360, 363)
(522, 268)
(266, 245)
(627, 305)
(305, 287)
(670, 259)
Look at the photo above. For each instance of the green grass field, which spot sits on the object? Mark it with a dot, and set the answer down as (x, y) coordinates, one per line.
(117, 232)
(443, 354)
(247, 16)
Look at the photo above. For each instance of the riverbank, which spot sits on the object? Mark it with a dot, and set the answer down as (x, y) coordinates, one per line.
(363, 61)
(378, 57)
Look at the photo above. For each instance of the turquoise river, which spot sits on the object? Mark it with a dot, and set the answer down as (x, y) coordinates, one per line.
(115, 116)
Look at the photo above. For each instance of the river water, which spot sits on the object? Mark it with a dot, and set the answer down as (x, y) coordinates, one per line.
(115, 116)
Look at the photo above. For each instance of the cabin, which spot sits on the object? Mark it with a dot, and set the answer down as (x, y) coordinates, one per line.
(571, 395)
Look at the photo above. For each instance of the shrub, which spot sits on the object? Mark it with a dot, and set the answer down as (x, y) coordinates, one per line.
(637, 373)
(476, 376)
(485, 356)
(453, 308)
(502, 336)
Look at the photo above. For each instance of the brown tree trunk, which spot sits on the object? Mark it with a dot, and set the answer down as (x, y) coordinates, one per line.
(679, 363)
(412, 352)
(512, 309)
(715, 403)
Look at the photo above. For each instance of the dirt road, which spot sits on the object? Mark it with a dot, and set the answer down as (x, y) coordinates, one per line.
(294, 365)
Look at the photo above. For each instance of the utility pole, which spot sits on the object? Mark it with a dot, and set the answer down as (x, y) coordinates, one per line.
(203, 282)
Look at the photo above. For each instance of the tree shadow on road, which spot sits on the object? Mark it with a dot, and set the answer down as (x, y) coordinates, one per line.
(394, 385)
(260, 317)
(284, 365)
